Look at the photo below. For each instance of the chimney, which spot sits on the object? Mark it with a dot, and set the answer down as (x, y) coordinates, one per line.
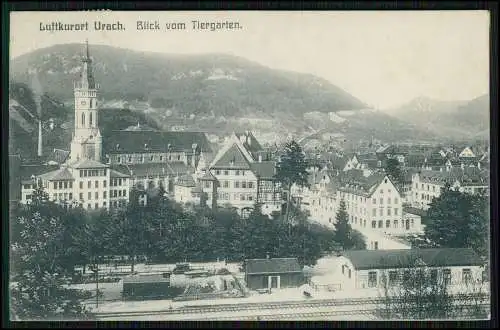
(260, 158)
(40, 152)
(37, 97)
(267, 256)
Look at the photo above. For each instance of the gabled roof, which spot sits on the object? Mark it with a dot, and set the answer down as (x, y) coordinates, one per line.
(250, 143)
(87, 163)
(119, 142)
(264, 170)
(208, 176)
(149, 169)
(61, 174)
(272, 265)
(354, 181)
(232, 158)
(384, 259)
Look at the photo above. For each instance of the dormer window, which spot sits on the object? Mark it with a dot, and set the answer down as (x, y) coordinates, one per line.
(145, 145)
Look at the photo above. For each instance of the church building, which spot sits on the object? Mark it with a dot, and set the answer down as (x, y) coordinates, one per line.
(82, 180)
(99, 171)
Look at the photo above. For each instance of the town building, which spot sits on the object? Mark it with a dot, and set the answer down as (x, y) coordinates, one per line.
(372, 201)
(273, 273)
(365, 269)
(241, 175)
(427, 185)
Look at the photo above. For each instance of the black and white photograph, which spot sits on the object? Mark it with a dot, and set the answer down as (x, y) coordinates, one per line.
(249, 165)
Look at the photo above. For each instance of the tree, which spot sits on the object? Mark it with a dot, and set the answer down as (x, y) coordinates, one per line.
(393, 170)
(358, 240)
(38, 291)
(292, 169)
(458, 220)
(343, 230)
(415, 293)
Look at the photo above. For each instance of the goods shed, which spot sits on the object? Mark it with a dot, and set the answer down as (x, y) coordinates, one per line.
(273, 273)
(148, 287)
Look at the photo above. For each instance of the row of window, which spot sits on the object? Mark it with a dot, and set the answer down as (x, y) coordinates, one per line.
(381, 201)
(350, 197)
(396, 277)
(119, 203)
(236, 197)
(96, 184)
(118, 182)
(62, 185)
(60, 196)
(118, 193)
(229, 172)
(87, 173)
(151, 158)
(409, 223)
(238, 184)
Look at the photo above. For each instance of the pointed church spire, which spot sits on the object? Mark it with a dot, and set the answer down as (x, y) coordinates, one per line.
(87, 47)
(87, 77)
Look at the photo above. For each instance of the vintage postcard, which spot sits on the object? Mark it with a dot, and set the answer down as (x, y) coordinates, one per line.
(170, 165)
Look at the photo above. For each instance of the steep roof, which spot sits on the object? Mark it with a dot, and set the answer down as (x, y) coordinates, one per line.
(250, 143)
(87, 163)
(61, 174)
(232, 158)
(141, 141)
(383, 259)
(354, 181)
(264, 170)
(149, 169)
(208, 176)
(272, 265)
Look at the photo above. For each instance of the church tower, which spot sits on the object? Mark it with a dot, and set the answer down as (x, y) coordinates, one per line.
(87, 140)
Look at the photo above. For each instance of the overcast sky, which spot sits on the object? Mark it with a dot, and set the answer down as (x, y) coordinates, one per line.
(383, 58)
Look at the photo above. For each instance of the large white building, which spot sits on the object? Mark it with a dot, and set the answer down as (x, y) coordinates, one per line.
(82, 179)
(427, 185)
(365, 269)
(372, 201)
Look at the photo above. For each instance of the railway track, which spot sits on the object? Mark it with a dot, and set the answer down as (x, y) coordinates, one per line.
(250, 307)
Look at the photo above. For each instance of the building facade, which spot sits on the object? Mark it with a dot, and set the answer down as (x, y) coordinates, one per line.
(427, 185)
(241, 175)
(365, 269)
(372, 201)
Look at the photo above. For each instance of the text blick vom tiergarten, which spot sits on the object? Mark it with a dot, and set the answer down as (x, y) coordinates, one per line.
(153, 25)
